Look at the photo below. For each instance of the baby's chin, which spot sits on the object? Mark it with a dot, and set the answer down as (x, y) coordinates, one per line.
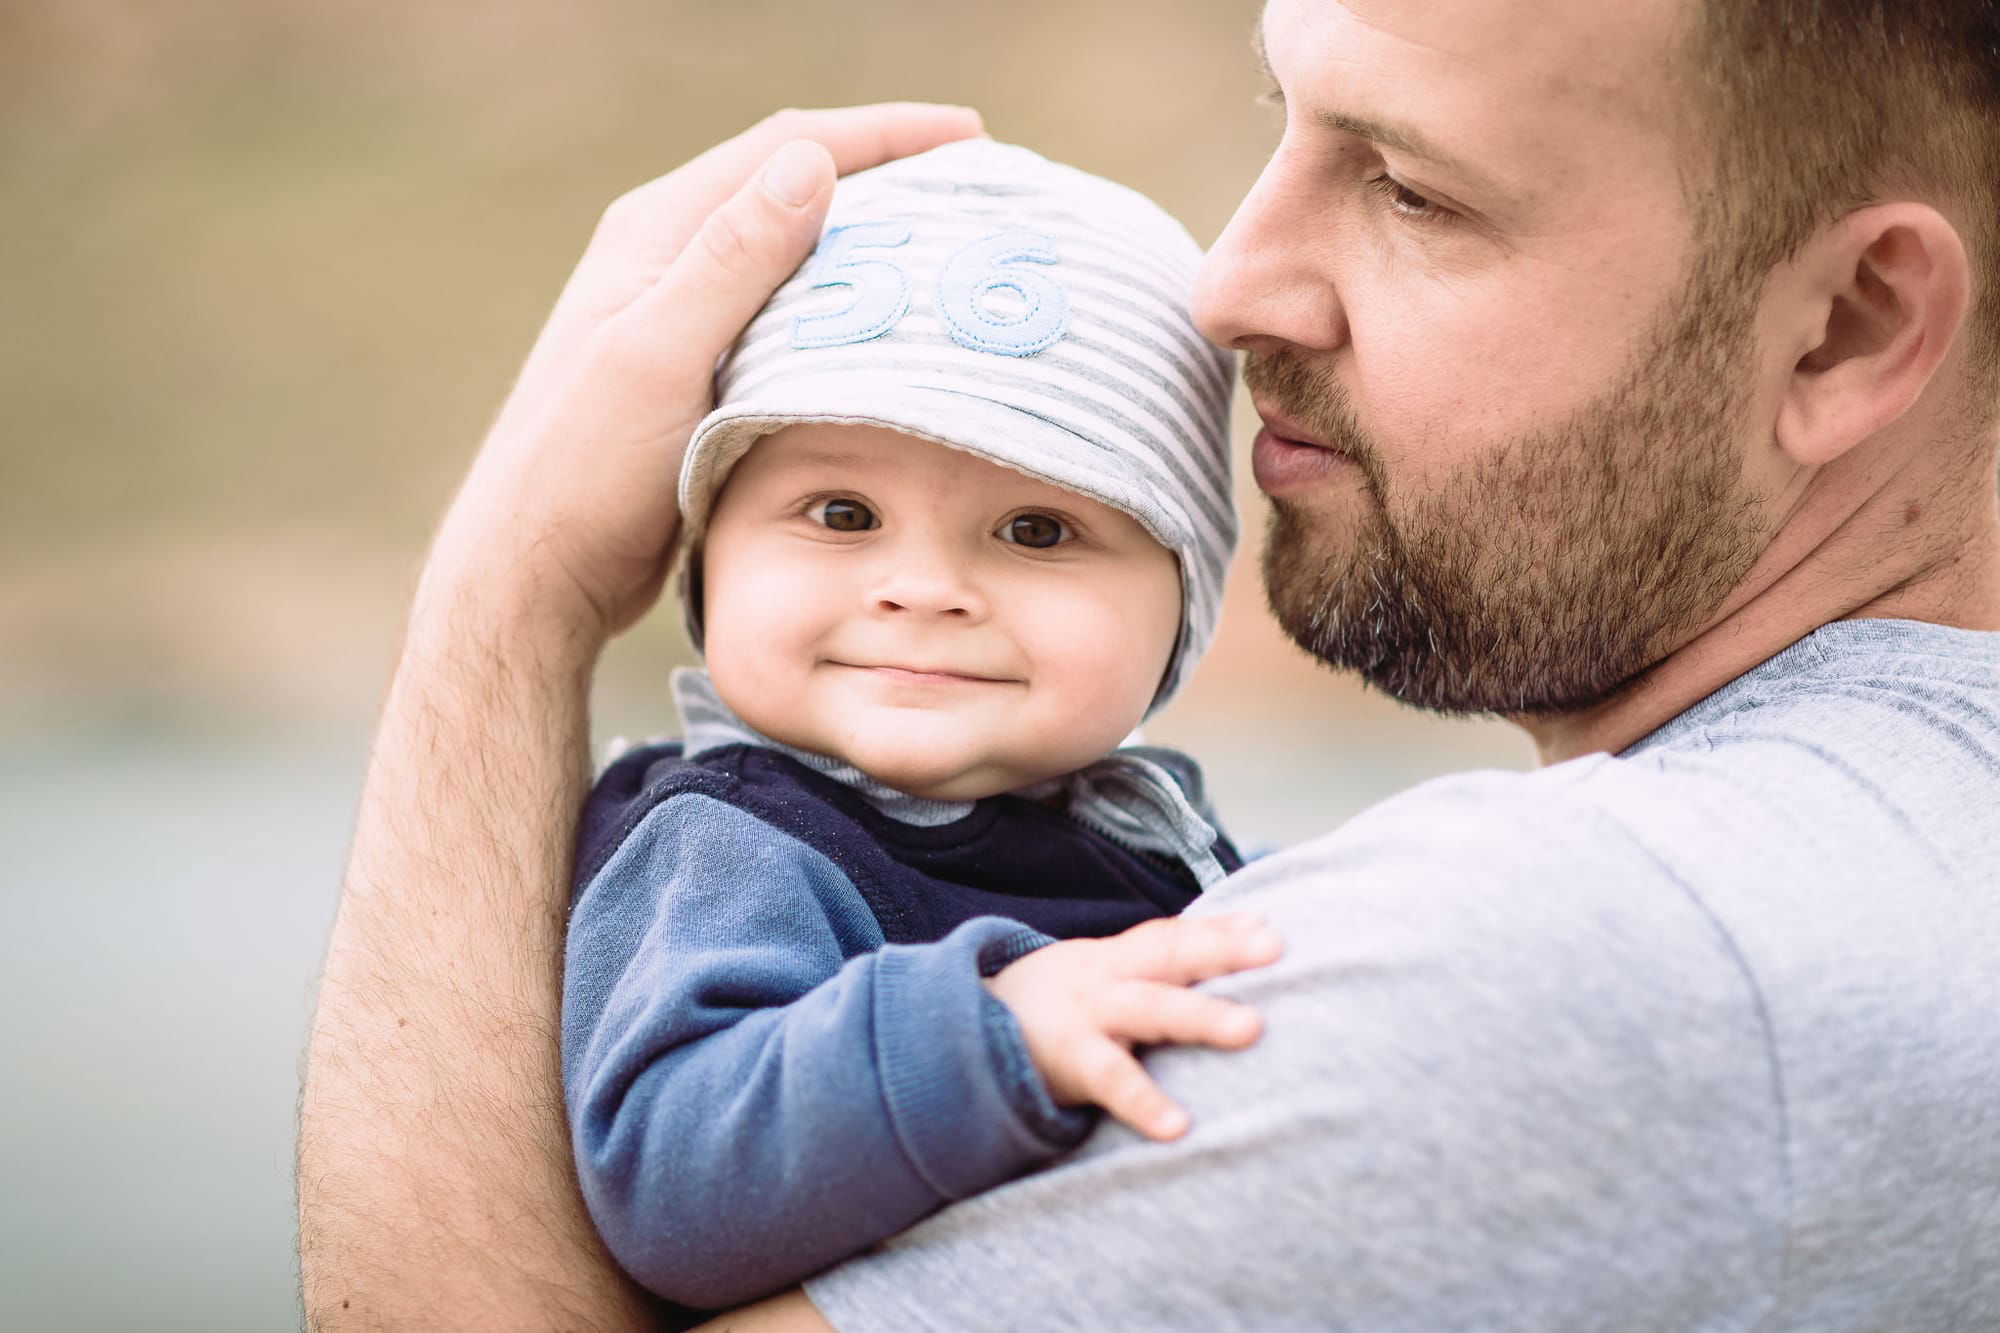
(930, 756)
(921, 766)
(942, 778)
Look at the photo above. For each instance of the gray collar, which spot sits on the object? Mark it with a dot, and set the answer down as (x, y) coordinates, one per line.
(1148, 798)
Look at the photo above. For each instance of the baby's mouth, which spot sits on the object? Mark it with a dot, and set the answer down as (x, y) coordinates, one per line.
(923, 675)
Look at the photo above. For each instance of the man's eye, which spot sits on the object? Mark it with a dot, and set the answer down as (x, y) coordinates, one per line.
(1037, 530)
(844, 516)
(1408, 202)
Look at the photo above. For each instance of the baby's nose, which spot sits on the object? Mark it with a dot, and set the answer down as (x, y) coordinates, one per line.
(928, 587)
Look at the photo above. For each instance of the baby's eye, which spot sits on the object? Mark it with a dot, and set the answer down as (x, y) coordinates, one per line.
(844, 516)
(1036, 530)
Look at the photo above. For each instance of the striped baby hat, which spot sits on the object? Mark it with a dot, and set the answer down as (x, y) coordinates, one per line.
(985, 298)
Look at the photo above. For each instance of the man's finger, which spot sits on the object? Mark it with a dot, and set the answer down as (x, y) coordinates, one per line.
(668, 340)
(1152, 1012)
(1184, 950)
(1111, 1077)
(668, 210)
(645, 229)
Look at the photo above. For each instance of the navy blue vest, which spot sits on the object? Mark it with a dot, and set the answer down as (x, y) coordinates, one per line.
(1009, 857)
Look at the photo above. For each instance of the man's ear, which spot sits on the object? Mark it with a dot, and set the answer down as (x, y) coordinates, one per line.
(1880, 296)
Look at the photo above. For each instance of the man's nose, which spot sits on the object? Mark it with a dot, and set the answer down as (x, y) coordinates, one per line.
(1266, 280)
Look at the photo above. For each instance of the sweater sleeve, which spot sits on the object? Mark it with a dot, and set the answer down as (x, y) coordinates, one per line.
(756, 1085)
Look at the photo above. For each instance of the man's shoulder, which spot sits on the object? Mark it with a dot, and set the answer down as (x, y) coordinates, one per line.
(1573, 904)
(1494, 978)
(1844, 779)
(1531, 837)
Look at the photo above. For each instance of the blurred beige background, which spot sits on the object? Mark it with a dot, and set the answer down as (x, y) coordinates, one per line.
(267, 271)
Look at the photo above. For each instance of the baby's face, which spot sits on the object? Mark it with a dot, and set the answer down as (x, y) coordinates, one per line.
(950, 627)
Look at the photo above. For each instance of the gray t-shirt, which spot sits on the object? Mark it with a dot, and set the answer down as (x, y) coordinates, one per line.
(1702, 1036)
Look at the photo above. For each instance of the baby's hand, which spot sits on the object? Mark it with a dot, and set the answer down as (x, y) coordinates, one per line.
(1083, 1004)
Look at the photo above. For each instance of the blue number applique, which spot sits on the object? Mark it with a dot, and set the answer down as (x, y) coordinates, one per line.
(990, 264)
(881, 290)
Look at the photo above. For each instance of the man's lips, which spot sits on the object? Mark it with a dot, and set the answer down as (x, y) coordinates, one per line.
(1285, 427)
(1285, 459)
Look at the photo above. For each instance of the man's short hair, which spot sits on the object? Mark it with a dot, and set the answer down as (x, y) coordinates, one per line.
(1812, 108)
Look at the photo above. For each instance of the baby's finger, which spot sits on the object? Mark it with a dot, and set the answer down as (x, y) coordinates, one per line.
(1110, 1076)
(1186, 949)
(1154, 1012)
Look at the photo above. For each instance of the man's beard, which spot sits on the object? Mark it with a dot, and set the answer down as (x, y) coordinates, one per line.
(1550, 571)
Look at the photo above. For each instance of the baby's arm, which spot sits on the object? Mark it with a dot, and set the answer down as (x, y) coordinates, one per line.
(755, 1088)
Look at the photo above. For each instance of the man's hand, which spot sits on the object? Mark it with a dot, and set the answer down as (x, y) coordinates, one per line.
(574, 489)
(435, 1182)
(1083, 1004)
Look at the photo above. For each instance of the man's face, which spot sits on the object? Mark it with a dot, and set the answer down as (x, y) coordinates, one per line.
(1506, 401)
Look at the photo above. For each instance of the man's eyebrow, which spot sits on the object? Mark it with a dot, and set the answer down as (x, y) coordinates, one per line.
(1400, 138)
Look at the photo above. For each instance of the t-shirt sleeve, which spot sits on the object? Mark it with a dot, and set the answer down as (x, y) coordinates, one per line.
(1512, 1076)
(756, 1085)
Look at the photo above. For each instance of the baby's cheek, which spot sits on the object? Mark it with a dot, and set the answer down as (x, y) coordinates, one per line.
(1098, 685)
(758, 665)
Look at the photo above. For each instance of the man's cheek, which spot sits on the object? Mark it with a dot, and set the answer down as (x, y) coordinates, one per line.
(1468, 352)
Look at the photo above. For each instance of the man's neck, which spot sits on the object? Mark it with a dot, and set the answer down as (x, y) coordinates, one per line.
(1875, 542)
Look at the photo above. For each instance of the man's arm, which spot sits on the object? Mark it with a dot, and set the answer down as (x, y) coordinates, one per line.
(1512, 1077)
(435, 1188)
(431, 1073)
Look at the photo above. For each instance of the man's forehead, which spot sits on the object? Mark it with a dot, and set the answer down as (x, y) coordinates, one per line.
(1573, 34)
(1524, 59)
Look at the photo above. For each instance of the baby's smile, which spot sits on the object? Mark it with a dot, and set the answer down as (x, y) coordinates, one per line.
(892, 674)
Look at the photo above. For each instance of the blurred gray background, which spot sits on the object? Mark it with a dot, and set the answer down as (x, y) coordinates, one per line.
(266, 271)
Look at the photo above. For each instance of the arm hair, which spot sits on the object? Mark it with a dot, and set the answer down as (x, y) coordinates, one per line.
(435, 1187)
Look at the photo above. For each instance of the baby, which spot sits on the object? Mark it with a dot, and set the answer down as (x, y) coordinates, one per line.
(957, 526)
